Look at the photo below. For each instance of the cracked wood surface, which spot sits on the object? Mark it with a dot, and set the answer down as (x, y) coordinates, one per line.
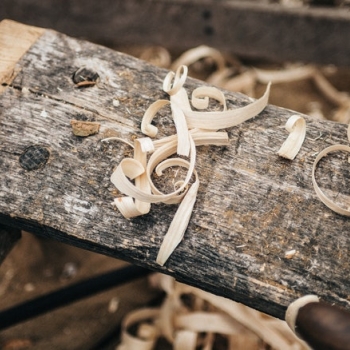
(252, 205)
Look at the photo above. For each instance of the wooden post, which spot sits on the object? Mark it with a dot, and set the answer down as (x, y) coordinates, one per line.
(252, 205)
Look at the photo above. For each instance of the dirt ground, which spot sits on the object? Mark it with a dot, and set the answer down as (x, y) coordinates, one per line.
(37, 266)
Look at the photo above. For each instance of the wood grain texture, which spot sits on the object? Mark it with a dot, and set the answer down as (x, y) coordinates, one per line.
(24, 36)
(246, 28)
(252, 205)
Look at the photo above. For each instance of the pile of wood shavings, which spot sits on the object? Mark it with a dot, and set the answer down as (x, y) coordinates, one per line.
(193, 128)
(196, 326)
(230, 73)
(190, 319)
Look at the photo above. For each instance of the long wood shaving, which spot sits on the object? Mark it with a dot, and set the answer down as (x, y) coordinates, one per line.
(330, 92)
(133, 176)
(296, 125)
(295, 306)
(193, 55)
(321, 195)
(285, 75)
(196, 325)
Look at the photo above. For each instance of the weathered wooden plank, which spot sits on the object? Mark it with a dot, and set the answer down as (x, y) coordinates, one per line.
(246, 28)
(24, 36)
(252, 206)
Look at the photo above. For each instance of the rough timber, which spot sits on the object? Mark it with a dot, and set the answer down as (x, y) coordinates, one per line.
(252, 206)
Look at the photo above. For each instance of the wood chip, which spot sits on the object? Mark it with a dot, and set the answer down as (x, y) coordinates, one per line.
(83, 129)
(290, 254)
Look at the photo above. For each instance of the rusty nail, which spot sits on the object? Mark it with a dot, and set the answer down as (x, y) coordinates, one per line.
(84, 77)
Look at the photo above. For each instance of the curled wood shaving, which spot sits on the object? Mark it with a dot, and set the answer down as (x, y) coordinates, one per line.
(141, 341)
(327, 201)
(195, 325)
(285, 75)
(193, 128)
(330, 92)
(296, 125)
(201, 95)
(230, 74)
(244, 82)
(193, 55)
(182, 217)
(293, 309)
(157, 55)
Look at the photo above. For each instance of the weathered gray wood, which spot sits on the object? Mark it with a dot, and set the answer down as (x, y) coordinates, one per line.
(246, 28)
(8, 237)
(252, 206)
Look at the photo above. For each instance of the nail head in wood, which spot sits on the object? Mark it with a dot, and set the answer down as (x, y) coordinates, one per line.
(34, 157)
(84, 77)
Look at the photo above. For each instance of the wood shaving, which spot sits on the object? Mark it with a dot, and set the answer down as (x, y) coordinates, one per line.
(81, 128)
(293, 309)
(193, 128)
(320, 194)
(194, 55)
(157, 55)
(290, 254)
(296, 125)
(195, 325)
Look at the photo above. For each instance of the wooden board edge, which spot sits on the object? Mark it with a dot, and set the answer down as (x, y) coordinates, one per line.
(15, 40)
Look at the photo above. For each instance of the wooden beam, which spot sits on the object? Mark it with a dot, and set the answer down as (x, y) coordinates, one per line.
(252, 205)
(250, 29)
